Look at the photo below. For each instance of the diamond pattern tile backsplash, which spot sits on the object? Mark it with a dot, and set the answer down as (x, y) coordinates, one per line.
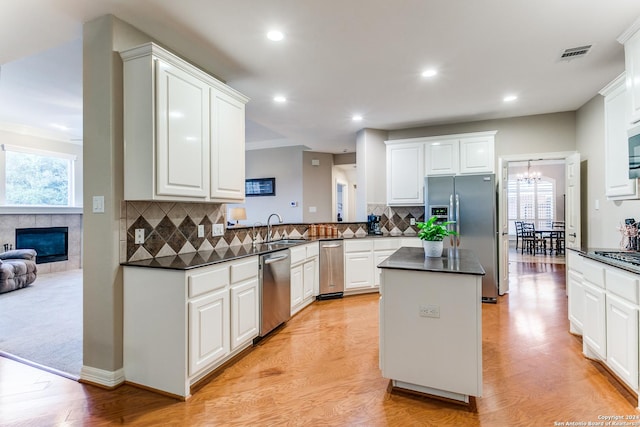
(172, 228)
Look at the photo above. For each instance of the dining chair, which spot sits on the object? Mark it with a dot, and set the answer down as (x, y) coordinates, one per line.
(533, 241)
(518, 232)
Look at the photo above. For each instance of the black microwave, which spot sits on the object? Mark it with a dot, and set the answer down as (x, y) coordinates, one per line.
(634, 151)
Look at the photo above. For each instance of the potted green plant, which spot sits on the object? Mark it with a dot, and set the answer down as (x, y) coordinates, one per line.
(432, 233)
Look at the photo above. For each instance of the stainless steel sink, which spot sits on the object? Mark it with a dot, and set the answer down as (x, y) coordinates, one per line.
(286, 242)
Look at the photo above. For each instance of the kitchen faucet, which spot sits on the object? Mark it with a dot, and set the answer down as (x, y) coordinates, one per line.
(269, 225)
(253, 238)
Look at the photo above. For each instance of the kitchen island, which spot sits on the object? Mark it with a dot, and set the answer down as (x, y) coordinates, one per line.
(431, 324)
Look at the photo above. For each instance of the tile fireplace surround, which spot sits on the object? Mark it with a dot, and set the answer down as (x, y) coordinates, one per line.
(9, 223)
(171, 228)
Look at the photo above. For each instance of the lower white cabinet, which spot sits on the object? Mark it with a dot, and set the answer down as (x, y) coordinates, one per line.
(604, 306)
(245, 312)
(208, 330)
(594, 333)
(622, 339)
(361, 258)
(305, 277)
(180, 325)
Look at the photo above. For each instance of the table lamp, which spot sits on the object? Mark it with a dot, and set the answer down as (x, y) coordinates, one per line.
(236, 214)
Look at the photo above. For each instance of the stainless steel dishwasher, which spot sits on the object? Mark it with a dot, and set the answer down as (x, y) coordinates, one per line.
(331, 269)
(275, 290)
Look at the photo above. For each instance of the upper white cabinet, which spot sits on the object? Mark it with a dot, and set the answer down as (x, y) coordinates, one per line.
(183, 131)
(631, 41)
(618, 186)
(405, 172)
(460, 154)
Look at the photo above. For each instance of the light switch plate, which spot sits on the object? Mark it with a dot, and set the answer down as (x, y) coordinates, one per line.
(201, 230)
(98, 204)
(412, 221)
(218, 229)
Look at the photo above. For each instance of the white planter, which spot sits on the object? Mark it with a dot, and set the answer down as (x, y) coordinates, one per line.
(433, 249)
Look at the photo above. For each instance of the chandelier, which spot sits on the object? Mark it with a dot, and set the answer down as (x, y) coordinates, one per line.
(529, 177)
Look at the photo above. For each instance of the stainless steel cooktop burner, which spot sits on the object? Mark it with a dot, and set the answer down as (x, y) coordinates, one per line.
(627, 257)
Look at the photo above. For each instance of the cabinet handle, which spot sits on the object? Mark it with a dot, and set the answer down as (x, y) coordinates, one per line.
(331, 246)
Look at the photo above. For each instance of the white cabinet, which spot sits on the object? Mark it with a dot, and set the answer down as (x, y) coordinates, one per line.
(358, 265)
(180, 325)
(618, 186)
(460, 154)
(622, 339)
(245, 302)
(594, 322)
(362, 257)
(442, 157)
(183, 131)
(305, 277)
(477, 154)
(405, 173)
(208, 330)
(575, 292)
(631, 40)
(296, 286)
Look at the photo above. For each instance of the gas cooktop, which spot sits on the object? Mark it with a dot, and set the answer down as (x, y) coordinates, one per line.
(622, 256)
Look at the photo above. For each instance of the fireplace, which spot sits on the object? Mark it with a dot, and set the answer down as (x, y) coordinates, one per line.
(51, 243)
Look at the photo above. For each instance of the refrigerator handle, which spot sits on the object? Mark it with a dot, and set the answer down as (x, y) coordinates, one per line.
(458, 220)
(452, 239)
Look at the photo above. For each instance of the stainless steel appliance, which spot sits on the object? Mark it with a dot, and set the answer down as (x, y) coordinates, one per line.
(275, 290)
(634, 151)
(373, 224)
(470, 201)
(624, 257)
(331, 269)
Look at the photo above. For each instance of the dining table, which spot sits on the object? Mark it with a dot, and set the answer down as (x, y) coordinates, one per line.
(556, 238)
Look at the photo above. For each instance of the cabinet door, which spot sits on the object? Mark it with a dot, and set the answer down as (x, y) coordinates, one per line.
(632, 70)
(405, 174)
(476, 154)
(310, 274)
(594, 322)
(618, 186)
(358, 270)
(245, 319)
(576, 302)
(379, 256)
(208, 330)
(442, 157)
(182, 133)
(296, 287)
(227, 147)
(622, 339)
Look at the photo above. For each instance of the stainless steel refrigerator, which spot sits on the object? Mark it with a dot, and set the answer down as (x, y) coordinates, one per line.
(470, 200)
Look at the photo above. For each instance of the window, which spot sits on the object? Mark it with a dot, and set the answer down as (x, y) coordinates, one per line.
(531, 202)
(37, 177)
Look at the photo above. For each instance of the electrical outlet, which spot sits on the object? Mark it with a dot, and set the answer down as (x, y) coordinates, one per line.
(201, 230)
(139, 236)
(429, 311)
(412, 221)
(218, 229)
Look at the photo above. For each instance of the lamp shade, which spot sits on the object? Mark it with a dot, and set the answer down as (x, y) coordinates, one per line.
(236, 214)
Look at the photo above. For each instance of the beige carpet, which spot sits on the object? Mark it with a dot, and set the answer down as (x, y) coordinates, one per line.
(42, 323)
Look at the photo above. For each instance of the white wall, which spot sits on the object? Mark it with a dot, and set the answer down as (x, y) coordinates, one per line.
(601, 224)
(285, 165)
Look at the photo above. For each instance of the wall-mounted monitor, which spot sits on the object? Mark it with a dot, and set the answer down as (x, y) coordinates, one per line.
(260, 187)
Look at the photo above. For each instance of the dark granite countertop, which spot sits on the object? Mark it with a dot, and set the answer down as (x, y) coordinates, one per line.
(460, 261)
(590, 253)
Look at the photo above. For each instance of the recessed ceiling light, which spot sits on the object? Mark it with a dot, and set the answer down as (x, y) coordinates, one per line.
(357, 118)
(510, 98)
(275, 35)
(429, 73)
(59, 126)
(279, 99)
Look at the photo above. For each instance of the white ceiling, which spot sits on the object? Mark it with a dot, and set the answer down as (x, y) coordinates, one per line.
(338, 58)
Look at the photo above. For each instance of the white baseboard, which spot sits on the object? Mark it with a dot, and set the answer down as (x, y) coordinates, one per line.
(108, 379)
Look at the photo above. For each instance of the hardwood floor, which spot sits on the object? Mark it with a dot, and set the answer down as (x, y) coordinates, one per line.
(322, 369)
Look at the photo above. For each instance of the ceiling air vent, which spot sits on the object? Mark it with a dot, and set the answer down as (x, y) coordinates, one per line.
(574, 52)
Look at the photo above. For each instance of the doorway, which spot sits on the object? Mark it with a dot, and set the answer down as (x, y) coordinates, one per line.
(535, 193)
(344, 192)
